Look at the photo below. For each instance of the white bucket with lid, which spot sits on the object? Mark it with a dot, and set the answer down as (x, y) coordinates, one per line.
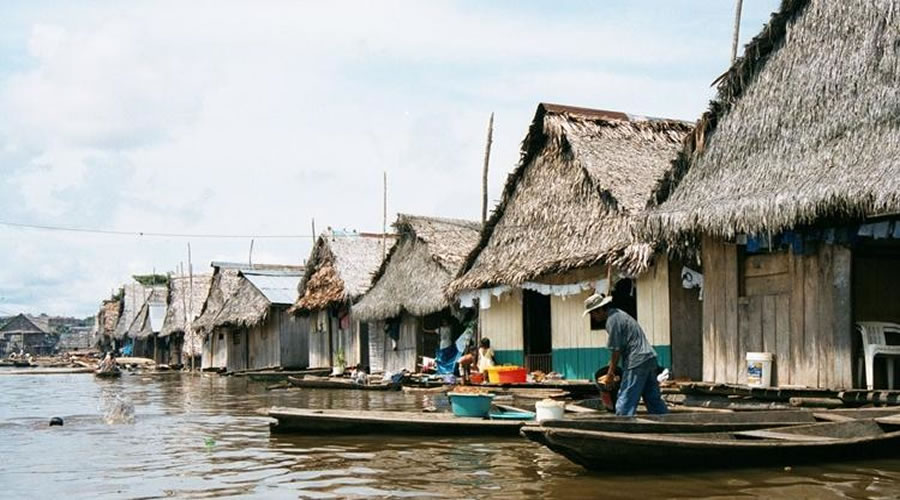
(549, 409)
(759, 369)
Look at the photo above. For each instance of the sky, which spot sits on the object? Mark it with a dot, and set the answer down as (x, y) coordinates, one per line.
(254, 118)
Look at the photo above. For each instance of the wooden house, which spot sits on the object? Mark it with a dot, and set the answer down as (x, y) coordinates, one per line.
(185, 301)
(263, 334)
(338, 272)
(147, 325)
(408, 289)
(30, 334)
(562, 230)
(134, 295)
(107, 319)
(791, 182)
(222, 350)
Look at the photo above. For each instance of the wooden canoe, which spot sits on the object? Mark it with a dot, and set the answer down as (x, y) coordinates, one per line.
(685, 422)
(301, 420)
(310, 382)
(820, 442)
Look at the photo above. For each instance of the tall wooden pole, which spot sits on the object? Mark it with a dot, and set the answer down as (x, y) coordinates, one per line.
(250, 257)
(384, 221)
(191, 306)
(484, 173)
(737, 29)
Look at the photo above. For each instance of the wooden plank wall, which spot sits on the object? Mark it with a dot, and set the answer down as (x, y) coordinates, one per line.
(502, 323)
(263, 346)
(318, 340)
(408, 347)
(653, 303)
(236, 353)
(376, 346)
(294, 339)
(686, 326)
(796, 307)
(569, 327)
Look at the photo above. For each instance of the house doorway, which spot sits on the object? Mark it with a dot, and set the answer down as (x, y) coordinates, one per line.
(536, 328)
(875, 274)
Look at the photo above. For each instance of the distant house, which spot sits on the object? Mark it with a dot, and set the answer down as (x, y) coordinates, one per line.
(147, 324)
(222, 350)
(134, 295)
(29, 334)
(263, 334)
(338, 272)
(407, 294)
(562, 231)
(180, 343)
(78, 338)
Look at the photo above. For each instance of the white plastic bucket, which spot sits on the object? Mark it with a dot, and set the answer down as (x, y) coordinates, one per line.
(759, 369)
(549, 409)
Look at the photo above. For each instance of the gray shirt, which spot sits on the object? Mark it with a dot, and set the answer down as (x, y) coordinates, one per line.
(627, 337)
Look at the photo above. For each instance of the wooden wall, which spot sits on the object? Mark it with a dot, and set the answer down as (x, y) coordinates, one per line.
(686, 325)
(376, 346)
(319, 350)
(502, 323)
(570, 327)
(653, 303)
(796, 307)
(237, 353)
(409, 346)
(215, 354)
(263, 348)
(294, 333)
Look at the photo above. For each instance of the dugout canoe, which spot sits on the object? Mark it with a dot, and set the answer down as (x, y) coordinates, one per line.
(685, 422)
(311, 382)
(301, 420)
(820, 442)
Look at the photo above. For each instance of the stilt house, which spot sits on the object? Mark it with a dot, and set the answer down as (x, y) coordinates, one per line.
(338, 272)
(791, 182)
(562, 230)
(407, 294)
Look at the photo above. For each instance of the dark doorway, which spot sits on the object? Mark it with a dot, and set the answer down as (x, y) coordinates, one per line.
(536, 323)
(363, 343)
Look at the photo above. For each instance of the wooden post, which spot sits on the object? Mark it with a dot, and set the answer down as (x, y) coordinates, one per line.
(484, 173)
(737, 29)
(384, 221)
(250, 257)
(191, 304)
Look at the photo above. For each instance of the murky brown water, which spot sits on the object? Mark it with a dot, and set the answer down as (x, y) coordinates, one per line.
(199, 437)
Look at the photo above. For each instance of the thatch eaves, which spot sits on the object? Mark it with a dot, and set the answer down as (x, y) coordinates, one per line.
(133, 297)
(412, 278)
(225, 281)
(340, 269)
(805, 128)
(583, 177)
(186, 296)
(149, 318)
(257, 293)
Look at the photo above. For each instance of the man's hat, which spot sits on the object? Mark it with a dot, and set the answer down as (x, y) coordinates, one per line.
(596, 301)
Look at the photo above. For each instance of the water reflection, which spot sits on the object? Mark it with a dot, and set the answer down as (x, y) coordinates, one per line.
(200, 437)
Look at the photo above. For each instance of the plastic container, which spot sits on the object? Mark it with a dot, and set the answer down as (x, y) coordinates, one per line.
(476, 378)
(507, 375)
(759, 369)
(470, 405)
(549, 409)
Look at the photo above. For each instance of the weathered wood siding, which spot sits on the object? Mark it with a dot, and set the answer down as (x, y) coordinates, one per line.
(319, 350)
(346, 339)
(686, 325)
(264, 351)
(653, 303)
(294, 334)
(502, 323)
(376, 346)
(236, 347)
(409, 346)
(794, 306)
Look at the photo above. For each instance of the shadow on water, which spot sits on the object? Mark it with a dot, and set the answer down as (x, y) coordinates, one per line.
(173, 435)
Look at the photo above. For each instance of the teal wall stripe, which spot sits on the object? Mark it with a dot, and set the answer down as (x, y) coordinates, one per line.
(578, 363)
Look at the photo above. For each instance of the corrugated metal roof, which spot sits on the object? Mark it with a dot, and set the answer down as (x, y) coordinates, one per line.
(157, 315)
(277, 287)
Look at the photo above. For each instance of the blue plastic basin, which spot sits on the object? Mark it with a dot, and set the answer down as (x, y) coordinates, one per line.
(470, 405)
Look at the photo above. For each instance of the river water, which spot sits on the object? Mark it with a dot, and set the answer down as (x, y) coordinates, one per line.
(201, 437)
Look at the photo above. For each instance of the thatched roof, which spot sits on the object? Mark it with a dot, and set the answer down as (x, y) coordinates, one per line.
(583, 176)
(149, 319)
(257, 293)
(427, 256)
(133, 297)
(225, 281)
(186, 296)
(340, 269)
(109, 315)
(805, 128)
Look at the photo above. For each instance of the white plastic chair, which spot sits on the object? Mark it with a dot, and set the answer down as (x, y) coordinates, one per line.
(875, 343)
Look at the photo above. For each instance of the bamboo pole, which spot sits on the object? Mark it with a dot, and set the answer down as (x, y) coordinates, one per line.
(737, 29)
(484, 173)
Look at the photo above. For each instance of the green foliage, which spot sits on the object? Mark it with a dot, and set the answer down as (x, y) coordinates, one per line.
(152, 279)
(339, 358)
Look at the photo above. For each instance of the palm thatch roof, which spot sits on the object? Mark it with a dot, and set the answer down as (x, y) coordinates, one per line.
(583, 176)
(412, 278)
(107, 318)
(805, 128)
(340, 269)
(133, 297)
(186, 296)
(149, 319)
(225, 281)
(257, 293)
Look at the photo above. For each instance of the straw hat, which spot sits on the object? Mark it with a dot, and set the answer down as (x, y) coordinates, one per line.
(596, 301)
